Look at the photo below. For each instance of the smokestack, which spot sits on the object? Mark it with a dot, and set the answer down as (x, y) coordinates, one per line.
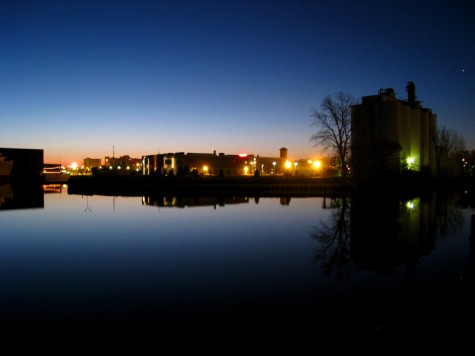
(411, 92)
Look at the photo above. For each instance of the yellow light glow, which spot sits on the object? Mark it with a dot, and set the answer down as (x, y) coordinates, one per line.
(410, 205)
(410, 160)
(288, 164)
(205, 169)
(246, 169)
(74, 165)
(317, 164)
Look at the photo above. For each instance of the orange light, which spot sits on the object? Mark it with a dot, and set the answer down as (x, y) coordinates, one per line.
(242, 155)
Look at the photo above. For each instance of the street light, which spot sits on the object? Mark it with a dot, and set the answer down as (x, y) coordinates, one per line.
(295, 164)
(274, 163)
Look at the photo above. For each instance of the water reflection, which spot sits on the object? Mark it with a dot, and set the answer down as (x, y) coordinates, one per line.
(21, 196)
(447, 214)
(334, 237)
(195, 201)
(378, 234)
(54, 188)
(114, 260)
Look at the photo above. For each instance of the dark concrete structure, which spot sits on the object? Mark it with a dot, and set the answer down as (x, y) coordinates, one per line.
(27, 163)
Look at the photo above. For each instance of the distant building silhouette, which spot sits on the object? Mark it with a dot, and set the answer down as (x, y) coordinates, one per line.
(123, 162)
(389, 135)
(90, 163)
(181, 163)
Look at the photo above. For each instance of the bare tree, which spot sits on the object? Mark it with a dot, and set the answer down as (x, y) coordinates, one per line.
(448, 147)
(333, 122)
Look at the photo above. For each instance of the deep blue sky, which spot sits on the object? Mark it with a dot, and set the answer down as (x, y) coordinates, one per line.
(79, 77)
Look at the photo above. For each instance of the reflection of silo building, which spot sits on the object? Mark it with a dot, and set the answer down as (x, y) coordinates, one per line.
(397, 233)
(387, 132)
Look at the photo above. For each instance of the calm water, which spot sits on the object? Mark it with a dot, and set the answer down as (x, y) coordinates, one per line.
(103, 260)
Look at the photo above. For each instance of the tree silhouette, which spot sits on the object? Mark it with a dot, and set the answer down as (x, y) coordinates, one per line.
(333, 123)
(448, 146)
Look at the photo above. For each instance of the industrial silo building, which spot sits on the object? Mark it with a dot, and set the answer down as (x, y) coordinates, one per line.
(389, 135)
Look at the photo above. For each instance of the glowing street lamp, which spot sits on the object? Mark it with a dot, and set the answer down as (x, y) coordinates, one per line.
(274, 163)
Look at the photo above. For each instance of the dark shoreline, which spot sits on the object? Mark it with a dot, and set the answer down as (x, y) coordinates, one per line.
(138, 185)
(262, 186)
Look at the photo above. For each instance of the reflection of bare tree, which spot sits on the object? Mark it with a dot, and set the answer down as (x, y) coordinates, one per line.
(334, 239)
(448, 218)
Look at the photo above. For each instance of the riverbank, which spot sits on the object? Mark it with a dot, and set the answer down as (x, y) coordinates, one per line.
(138, 185)
(205, 185)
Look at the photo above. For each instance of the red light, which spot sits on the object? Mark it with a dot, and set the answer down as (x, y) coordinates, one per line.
(242, 155)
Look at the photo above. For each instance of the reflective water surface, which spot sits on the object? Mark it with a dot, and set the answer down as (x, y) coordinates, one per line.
(365, 263)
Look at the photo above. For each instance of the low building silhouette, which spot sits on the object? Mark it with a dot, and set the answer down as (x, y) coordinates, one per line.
(181, 163)
(90, 163)
(123, 162)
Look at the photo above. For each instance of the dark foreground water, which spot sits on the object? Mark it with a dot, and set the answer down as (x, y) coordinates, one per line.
(392, 271)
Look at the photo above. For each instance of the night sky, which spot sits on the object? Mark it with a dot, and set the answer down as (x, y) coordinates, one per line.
(78, 78)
